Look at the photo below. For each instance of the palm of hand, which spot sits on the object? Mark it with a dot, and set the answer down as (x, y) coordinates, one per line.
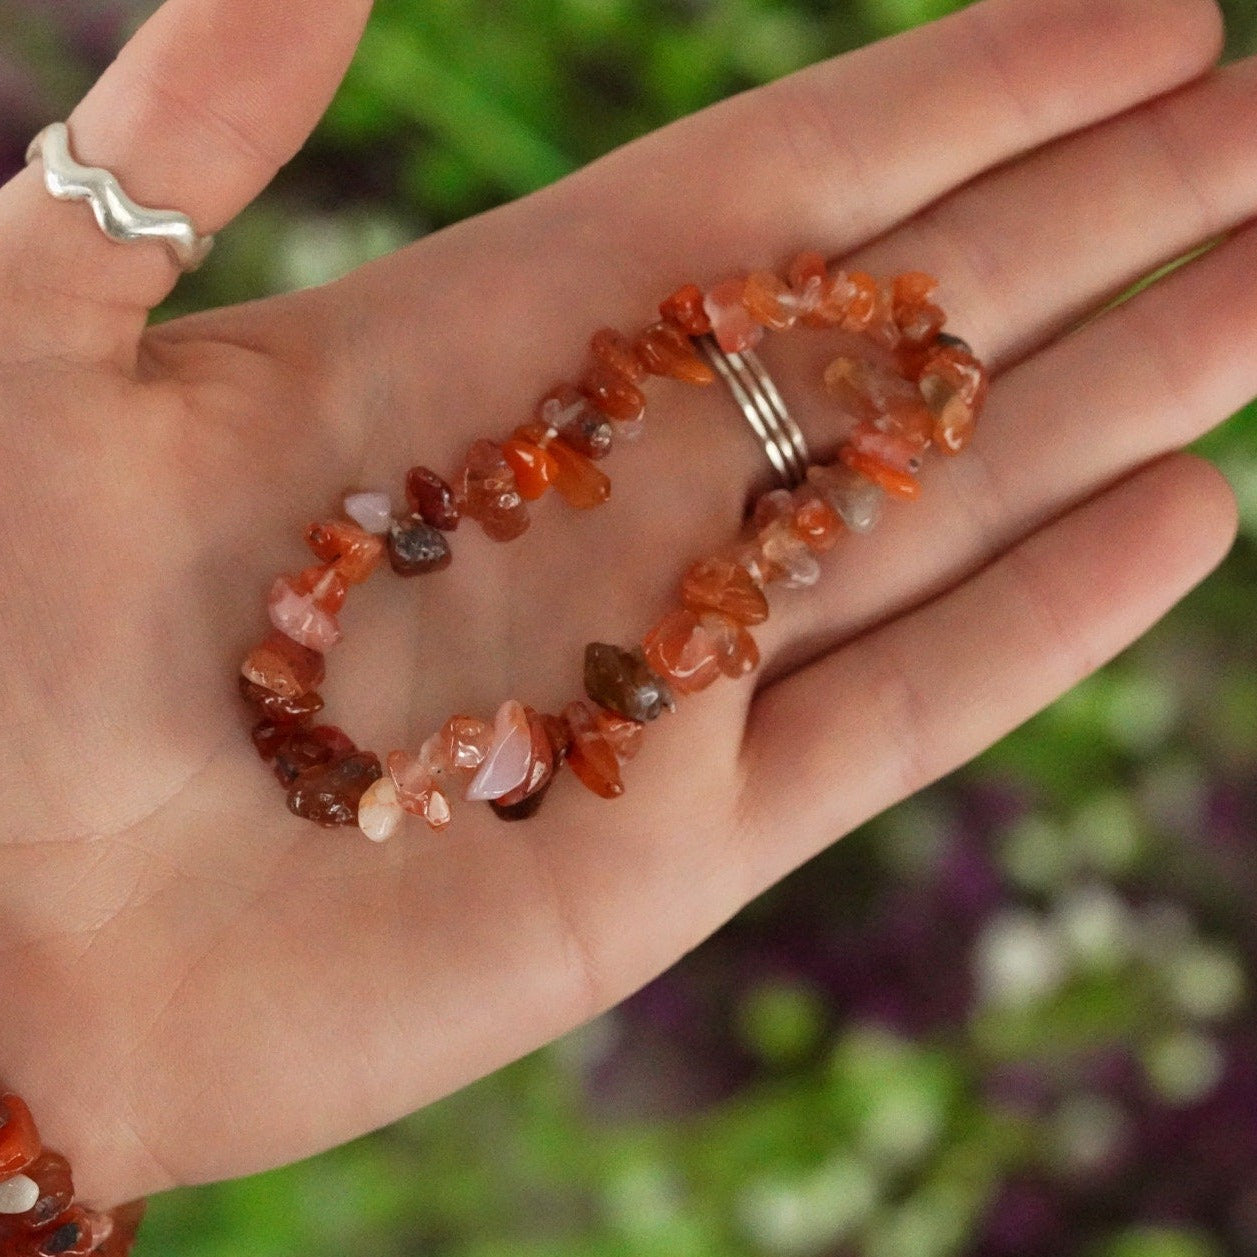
(210, 986)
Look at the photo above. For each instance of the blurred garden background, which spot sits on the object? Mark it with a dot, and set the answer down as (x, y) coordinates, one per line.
(1013, 1017)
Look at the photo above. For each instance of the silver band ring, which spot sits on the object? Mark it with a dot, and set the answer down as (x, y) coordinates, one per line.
(119, 217)
(763, 408)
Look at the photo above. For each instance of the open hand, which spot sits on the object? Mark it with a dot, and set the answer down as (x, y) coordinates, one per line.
(195, 984)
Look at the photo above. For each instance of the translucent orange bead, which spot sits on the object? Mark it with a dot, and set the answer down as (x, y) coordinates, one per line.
(326, 584)
(329, 794)
(592, 434)
(679, 649)
(920, 324)
(465, 741)
(303, 749)
(612, 394)
(492, 496)
(280, 710)
(857, 501)
(624, 736)
(872, 392)
(284, 667)
(899, 483)
(665, 350)
(417, 790)
(954, 385)
(722, 585)
(736, 651)
(731, 321)
(768, 301)
(352, 551)
(807, 268)
(912, 288)
(818, 298)
(615, 352)
(580, 483)
(684, 309)
(300, 617)
(818, 524)
(535, 469)
(887, 447)
(578, 480)
(777, 506)
(19, 1140)
(590, 756)
(862, 307)
(785, 558)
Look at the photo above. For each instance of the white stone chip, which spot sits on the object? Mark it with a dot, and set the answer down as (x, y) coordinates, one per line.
(370, 511)
(18, 1194)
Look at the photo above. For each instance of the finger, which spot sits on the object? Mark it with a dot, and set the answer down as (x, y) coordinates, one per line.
(827, 158)
(1148, 377)
(715, 193)
(840, 740)
(1029, 249)
(197, 114)
(837, 154)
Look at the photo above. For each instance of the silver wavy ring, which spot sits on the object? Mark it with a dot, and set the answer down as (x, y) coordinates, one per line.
(120, 218)
(763, 408)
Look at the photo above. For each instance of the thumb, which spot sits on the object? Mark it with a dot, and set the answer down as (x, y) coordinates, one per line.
(197, 114)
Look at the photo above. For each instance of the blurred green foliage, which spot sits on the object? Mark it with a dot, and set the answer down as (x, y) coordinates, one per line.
(994, 1022)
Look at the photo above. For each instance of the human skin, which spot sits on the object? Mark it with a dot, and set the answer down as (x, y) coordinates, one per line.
(193, 983)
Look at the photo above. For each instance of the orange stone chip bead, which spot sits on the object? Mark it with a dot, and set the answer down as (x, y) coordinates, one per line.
(284, 667)
(899, 483)
(862, 306)
(51, 1174)
(769, 301)
(352, 551)
(615, 352)
(737, 655)
(725, 586)
(19, 1140)
(328, 587)
(684, 309)
(491, 493)
(535, 469)
(817, 523)
(954, 384)
(578, 480)
(591, 756)
(623, 735)
(919, 320)
(612, 394)
(679, 650)
(731, 322)
(665, 350)
(820, 298)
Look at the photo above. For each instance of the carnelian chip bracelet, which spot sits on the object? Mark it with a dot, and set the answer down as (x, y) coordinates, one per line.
(902, 382)
(38, 1215)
